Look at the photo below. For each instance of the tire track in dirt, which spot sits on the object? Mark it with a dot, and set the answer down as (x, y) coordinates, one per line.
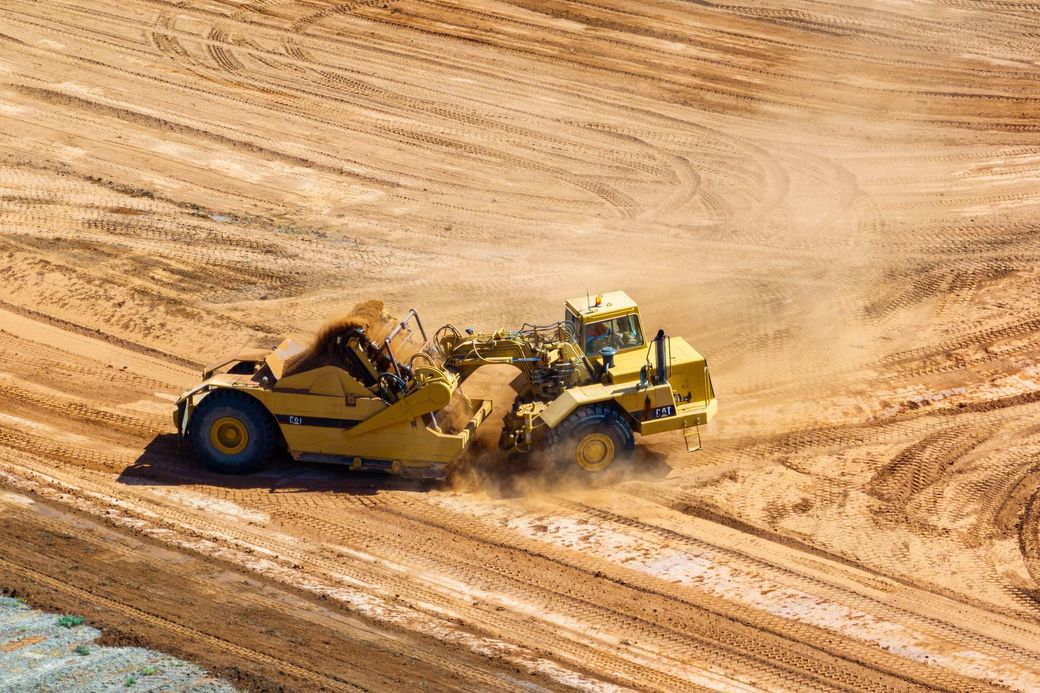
(787, 176)
(276, 550)
(684, 648)
(18, 397)
(256, 600)
(817, 583)
(1029, 537)
(587, 562)
(131, 116)
(295, 559)
(281, 560)
(924, 463)
(611, 196)
(176, 630)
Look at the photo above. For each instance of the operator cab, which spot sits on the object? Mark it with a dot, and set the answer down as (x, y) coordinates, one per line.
(605, 320)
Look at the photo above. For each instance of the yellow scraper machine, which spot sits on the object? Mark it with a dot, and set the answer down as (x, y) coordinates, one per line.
(585, 387)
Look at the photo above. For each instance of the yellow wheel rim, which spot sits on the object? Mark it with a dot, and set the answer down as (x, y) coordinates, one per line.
(228, 435)
(595, 452)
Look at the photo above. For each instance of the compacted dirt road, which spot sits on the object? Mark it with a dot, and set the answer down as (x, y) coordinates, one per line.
(835, 202)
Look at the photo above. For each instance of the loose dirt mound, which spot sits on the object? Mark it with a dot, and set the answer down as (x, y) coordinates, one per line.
(326, 347)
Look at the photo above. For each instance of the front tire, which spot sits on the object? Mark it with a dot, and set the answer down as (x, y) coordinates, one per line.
(232, 433)
(593, 440)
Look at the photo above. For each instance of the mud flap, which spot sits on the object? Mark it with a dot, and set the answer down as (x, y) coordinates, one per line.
(180, 420)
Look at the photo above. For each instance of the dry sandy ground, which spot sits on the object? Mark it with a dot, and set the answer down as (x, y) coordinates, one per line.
(836, 202)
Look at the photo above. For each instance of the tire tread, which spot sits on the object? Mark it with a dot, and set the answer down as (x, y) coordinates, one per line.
(601, 414)
(251, 409)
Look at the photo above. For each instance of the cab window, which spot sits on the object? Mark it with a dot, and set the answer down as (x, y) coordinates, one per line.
(572, 319)
(621, 333)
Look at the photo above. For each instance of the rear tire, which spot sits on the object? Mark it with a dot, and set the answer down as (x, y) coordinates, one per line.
(232, 433)
(593, 442)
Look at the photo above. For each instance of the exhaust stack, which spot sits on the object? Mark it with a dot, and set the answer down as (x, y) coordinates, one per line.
(661, 375)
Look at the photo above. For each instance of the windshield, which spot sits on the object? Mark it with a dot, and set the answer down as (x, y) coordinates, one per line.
(621, 333)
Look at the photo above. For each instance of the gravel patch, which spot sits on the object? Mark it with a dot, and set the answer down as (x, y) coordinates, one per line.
(42, 652)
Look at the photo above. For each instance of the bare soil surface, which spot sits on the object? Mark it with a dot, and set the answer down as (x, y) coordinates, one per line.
(835, 202)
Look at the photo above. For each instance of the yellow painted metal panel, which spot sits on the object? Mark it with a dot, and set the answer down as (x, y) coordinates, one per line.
(288, 349)
(614, 302)
(689, 414)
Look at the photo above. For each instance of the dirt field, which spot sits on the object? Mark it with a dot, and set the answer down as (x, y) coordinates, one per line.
(835, 202)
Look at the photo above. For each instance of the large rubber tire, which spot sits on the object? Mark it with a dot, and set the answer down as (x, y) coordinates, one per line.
(594, 441)
(232, 433)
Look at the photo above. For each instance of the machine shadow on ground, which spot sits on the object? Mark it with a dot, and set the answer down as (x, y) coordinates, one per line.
(167, 461)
